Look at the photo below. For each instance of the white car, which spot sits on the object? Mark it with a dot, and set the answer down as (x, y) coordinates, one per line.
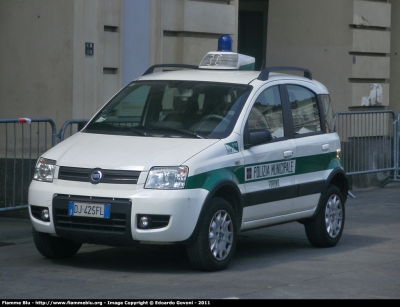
(195, 156)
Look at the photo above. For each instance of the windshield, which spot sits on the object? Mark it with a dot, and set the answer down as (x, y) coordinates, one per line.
(172, 109)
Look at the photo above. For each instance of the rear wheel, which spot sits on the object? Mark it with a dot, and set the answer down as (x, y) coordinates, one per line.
(326, 229)
(215, 244)
(55, 247)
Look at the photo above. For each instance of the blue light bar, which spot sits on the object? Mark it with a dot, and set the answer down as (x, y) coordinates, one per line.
(225, 43)
(224, 58)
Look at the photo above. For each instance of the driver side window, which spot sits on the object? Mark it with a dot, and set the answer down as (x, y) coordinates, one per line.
(266, 113)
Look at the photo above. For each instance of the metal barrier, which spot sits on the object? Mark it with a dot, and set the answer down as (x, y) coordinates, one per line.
(73, 125)
(369, 141)
(23, 141)
(396, 143)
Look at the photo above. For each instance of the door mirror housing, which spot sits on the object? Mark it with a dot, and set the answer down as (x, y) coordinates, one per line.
(257, 137)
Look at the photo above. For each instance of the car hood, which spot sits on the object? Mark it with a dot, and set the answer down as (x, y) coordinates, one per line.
(88, 150)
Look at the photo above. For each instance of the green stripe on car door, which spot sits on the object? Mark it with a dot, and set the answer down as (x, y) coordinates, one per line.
(304, 165)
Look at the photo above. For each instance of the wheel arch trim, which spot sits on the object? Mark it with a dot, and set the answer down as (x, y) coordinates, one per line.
(337, 177)
(220, 189)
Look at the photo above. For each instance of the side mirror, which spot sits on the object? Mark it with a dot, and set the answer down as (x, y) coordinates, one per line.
(257, 137)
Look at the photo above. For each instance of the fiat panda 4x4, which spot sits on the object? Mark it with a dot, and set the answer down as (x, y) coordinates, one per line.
(195, 156)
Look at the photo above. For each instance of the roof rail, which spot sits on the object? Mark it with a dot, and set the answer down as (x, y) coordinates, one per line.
(265, 73)
(151, 68)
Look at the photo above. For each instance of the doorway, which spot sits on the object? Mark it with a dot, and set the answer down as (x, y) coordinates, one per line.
(252, 30)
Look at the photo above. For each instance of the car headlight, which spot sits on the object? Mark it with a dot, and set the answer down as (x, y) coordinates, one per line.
(167, 178)
(44, 170)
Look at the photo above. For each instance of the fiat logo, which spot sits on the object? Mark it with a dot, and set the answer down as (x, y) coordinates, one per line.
(96, 176)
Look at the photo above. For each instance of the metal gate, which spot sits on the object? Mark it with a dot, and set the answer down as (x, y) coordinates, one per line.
(369, 141)
(23, 141)
(71, 127)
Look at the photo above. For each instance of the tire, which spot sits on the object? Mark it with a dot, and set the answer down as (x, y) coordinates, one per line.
(326, 229)
(215, 243)
(55, 247)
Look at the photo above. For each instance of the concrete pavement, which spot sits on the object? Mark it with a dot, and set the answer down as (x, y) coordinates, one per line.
(271, 263)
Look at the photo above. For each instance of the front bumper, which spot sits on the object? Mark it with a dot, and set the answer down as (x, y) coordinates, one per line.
(179, 211)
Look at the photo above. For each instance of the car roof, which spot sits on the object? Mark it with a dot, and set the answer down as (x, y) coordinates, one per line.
(225, 76)
(228, 76)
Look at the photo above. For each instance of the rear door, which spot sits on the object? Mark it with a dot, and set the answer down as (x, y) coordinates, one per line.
(314, 146)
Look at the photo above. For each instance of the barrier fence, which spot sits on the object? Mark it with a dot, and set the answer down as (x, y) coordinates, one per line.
(70, 127)
(23, 141)
(369, 143)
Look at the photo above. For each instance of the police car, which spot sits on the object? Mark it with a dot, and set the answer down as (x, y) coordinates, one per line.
(195, 156)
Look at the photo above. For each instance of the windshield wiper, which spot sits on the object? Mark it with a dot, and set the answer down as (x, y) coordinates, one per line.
(101, 126)
(161, 128)
(138, 131)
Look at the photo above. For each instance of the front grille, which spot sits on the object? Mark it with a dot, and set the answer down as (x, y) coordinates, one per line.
(115, 230)
(109, 176)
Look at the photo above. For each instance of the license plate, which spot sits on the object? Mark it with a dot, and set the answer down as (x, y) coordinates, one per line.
(88, 209)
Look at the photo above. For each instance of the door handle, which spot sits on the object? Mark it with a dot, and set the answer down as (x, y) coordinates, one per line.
(325, 147)
(287, 153)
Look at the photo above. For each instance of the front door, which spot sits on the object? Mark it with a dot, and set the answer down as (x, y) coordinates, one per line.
(269, 168)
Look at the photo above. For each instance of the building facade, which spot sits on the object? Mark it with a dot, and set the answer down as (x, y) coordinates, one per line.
(64, 59)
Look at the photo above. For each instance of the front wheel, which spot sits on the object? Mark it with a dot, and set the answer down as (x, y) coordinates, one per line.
(215, 243)
(55, 247)
(326, 229)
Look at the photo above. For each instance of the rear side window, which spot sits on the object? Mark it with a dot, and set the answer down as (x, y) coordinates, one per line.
(304, 108)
